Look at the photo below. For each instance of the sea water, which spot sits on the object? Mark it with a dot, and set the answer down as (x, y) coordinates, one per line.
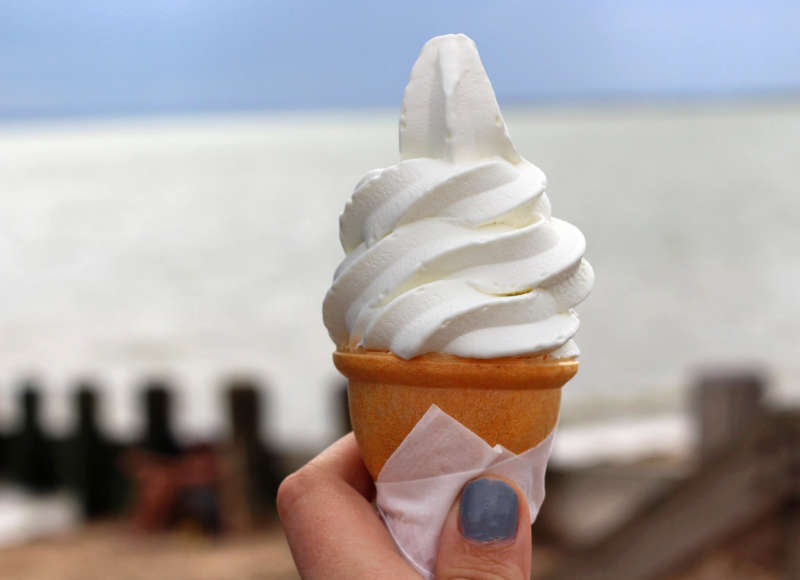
(199, 247)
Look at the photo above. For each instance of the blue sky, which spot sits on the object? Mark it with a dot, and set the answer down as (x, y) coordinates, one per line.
(130, 57)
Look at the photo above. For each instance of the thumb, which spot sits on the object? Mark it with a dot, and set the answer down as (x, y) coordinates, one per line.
(487, 534)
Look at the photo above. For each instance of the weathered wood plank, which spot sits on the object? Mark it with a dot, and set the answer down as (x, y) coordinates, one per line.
(750, 481)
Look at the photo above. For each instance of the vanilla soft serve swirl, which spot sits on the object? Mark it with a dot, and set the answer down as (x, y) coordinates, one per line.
(453, 249)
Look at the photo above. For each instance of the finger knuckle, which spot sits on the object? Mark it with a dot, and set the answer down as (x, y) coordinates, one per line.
(295, 486)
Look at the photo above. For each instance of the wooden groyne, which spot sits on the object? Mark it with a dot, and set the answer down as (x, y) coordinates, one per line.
(746, 477)
(228, 483)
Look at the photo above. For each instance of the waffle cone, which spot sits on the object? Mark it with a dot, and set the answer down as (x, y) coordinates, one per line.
(512, 401)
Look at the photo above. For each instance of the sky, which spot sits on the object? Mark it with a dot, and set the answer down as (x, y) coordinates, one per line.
(93, 57)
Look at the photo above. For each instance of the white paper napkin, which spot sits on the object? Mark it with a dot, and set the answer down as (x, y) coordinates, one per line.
(422, 478)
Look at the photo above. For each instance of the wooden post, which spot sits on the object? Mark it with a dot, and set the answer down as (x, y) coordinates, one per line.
(4, 451)
(32, 456)
(253, 469)
(725, 404)
(91, 461)
(158, 436)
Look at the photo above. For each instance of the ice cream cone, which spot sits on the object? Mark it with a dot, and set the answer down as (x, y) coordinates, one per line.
(512, 401)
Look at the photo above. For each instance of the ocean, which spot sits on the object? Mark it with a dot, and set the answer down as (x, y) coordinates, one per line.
(199, 248)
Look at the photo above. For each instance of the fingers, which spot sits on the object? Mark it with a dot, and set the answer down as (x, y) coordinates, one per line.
(487, 534)
(332, 528)
(342, 460)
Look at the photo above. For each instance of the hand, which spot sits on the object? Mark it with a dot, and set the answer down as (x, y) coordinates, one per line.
(335, 533)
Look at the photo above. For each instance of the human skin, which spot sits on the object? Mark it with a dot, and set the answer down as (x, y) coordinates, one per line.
(335, 533)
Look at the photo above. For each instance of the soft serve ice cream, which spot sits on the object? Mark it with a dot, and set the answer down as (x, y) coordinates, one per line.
(454, 249)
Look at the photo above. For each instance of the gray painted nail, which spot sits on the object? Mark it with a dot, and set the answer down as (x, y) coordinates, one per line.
(488, 510)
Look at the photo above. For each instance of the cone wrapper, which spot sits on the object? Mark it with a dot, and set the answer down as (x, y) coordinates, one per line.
(423, 477)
